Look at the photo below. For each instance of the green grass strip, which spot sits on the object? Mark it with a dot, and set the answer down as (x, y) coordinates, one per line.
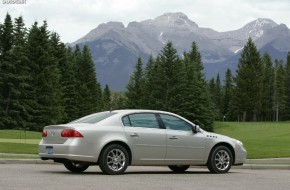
(18, 134)
(18, 148)
(21, 141)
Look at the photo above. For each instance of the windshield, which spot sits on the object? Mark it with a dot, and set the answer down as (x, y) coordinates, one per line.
(94, 118)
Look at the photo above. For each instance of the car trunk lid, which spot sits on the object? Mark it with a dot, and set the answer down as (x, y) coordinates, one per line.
(54, 134)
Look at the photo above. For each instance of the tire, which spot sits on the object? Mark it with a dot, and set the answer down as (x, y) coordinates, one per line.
(114, 160)
(75, 167)
(220, 160)
(178, 168)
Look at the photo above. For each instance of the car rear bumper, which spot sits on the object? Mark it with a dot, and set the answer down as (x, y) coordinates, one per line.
(73, 150)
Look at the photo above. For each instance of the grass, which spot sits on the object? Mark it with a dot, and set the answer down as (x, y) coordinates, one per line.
(19, 148)
(19, 142)
(261, 139)
(17, 134)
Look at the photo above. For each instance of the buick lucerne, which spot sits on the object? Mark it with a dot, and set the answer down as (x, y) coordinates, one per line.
(116, 139)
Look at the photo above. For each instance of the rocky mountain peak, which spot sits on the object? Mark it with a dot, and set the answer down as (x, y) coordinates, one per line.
(177, 21)
(256, 28)
(262, 22)
(110, 25)
(100, 30)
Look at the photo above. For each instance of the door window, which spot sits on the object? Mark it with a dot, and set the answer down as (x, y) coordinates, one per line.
(175, 123)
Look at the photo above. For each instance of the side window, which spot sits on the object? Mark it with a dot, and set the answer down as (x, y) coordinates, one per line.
(126, 121)
(146, 120)
(174, 123)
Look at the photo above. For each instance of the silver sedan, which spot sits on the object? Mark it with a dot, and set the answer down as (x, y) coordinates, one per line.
(116, 139)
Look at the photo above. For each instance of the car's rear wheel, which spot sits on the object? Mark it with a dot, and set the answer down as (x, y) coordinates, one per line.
(220, 160)
(114, 160)
(75, 167)
(178, 168)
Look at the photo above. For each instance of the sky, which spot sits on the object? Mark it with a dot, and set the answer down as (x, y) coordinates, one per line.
(72, 19)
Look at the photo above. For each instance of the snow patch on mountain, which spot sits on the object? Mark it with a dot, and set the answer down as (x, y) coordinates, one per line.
(238, 50)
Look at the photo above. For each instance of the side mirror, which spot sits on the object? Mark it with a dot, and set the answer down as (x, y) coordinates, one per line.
(195, 129)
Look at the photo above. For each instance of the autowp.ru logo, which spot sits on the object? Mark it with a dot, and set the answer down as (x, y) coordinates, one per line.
(14, 1)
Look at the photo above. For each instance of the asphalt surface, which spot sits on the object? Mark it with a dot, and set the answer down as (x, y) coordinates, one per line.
(268, 163)
(53, 176)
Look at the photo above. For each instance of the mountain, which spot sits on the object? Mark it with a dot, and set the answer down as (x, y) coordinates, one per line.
(115, 48)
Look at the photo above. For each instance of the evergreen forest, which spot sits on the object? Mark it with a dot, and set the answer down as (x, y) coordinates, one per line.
(44, 82)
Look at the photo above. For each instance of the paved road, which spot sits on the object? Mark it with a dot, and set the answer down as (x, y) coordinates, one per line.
(46, 176)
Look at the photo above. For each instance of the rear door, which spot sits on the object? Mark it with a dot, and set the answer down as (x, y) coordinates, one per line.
(146, 138)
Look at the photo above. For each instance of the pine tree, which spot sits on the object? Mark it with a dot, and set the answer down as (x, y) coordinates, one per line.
(118, 100)
(1, 80)
(212, 93)
(170, 78)
(21, 104)
(6, 36)
(279, 88)
(107, 99)
(219, 97)
(6, 75)
(99, 95)
(286, 112)
(76, 60)
(135, 87)
(88, 86)
(228, 92)
(16, 78)
(268, 88)
(197, 103)
(248, 83)
(67, 76)
(46, 78)
(150, 92)
(69, 82)
(211, 87)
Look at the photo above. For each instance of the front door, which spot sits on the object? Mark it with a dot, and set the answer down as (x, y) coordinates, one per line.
(183, 145)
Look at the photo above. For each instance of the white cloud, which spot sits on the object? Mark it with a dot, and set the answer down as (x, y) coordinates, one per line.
(72, 19)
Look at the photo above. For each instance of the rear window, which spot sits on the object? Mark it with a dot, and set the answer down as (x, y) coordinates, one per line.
(94, 118)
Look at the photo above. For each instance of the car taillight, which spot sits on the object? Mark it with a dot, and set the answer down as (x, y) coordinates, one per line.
(71, 133)
(44, 133)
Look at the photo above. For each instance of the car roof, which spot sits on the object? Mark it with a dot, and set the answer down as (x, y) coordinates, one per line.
(129, 111)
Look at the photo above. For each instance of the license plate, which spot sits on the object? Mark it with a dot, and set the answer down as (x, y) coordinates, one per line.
(49, 150)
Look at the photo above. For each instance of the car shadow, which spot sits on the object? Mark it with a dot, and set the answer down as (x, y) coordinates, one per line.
(138, 173)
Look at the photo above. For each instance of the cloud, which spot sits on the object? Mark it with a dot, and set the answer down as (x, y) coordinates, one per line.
(72, 19)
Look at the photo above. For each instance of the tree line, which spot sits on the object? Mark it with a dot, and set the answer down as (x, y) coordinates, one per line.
(43, 82)
(172, 83)
(260, 91)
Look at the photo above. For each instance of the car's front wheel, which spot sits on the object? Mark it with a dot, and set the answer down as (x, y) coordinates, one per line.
(220, 160)
(114, 159)
(178, 168)
(75, 167)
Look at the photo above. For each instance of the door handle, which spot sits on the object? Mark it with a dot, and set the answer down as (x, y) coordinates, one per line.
(134, 135)
(173, 137)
